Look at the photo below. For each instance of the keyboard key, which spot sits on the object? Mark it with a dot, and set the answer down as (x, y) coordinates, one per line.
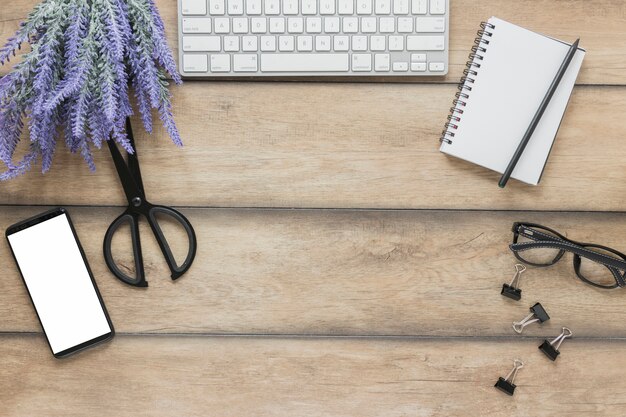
(425, 43)
(195, 63)
(277, 25)
(259, 25)
(377, 43)
(418, 57)
(222, 25)
(400, 6)
(235, 7)
(245, 63)
(290, 7)
(400, 66)
(240, 25)
(359, 43)
(197, 25)
(383, 6)
(405, 24)
(381, 62)
(314, 24)
(387, 24)
(304, 62)
(327, 7)
(364, 6)
(436, 66)
(268, 43)
(193, 7)
(286, 43)
(419, 6)
(220, 63)
(216, 7)
(305, 43)
(346, 7)
(322, 43)
(430, 24)
(272, 7)
(249, 44)
(396, 43)
(437, 6)
(418, 66)
(331, 24)
(253, 7)
(341, 43)
(295, 25)
(201, 43)
(368, 25)
(350, 25)
(231, 43)
(361, 62)
(309, 7)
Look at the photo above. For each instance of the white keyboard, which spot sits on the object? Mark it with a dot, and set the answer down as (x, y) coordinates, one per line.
(233, 38)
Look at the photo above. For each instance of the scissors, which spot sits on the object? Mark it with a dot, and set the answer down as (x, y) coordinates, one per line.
(138, 206)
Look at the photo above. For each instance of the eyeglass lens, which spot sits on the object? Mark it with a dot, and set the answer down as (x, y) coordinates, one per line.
(592, 272)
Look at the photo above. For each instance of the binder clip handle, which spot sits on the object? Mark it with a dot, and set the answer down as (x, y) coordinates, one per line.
(565, 333)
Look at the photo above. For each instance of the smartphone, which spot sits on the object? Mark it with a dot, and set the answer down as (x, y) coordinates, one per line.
(59, 282)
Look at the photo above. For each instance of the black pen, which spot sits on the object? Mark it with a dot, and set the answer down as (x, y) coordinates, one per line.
(540, 111)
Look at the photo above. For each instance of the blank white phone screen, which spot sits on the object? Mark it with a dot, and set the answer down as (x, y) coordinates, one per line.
(59, 283)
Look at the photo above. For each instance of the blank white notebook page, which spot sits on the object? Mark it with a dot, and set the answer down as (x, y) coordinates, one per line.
(514, 76)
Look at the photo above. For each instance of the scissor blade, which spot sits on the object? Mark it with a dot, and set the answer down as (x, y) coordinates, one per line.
(133, 159)
(126, 178)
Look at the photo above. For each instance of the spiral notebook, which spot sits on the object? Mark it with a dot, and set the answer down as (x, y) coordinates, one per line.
(507, 76)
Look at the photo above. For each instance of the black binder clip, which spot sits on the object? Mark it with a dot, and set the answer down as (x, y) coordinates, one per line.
(551, 349)
(506, 385)
(537, 314)
(512, 290)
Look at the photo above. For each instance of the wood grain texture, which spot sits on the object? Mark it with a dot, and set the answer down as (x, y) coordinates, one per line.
(327, 146)
(165, 376)
(343, 273)
(600, 24)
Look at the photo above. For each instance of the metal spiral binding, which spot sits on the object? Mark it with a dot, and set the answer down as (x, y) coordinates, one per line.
(468, 78)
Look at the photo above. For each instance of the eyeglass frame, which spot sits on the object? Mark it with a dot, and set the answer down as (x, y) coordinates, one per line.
(563, 244)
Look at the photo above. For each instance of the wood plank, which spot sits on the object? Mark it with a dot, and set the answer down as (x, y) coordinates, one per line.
(343, 273)
(165, 376)
(327, 146)
(600, 24)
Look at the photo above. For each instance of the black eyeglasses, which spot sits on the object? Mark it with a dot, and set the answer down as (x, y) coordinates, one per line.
(596, 265)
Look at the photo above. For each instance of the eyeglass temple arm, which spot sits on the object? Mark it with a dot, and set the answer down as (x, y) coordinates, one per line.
(525, 229)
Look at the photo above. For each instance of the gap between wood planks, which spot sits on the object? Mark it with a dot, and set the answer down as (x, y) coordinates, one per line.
(390, 337)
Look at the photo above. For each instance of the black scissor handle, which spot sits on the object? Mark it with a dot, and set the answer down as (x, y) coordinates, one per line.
(176, 270)
(133, 221)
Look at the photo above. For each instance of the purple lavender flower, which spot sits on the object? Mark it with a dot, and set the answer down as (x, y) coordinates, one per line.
(85, 57)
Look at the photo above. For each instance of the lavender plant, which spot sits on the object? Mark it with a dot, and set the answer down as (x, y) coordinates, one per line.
(85, 58)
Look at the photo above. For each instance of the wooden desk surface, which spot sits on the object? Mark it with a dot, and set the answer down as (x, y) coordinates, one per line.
(345, 267)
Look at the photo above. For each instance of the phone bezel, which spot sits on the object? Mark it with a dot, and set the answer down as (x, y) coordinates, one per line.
(40, 218)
